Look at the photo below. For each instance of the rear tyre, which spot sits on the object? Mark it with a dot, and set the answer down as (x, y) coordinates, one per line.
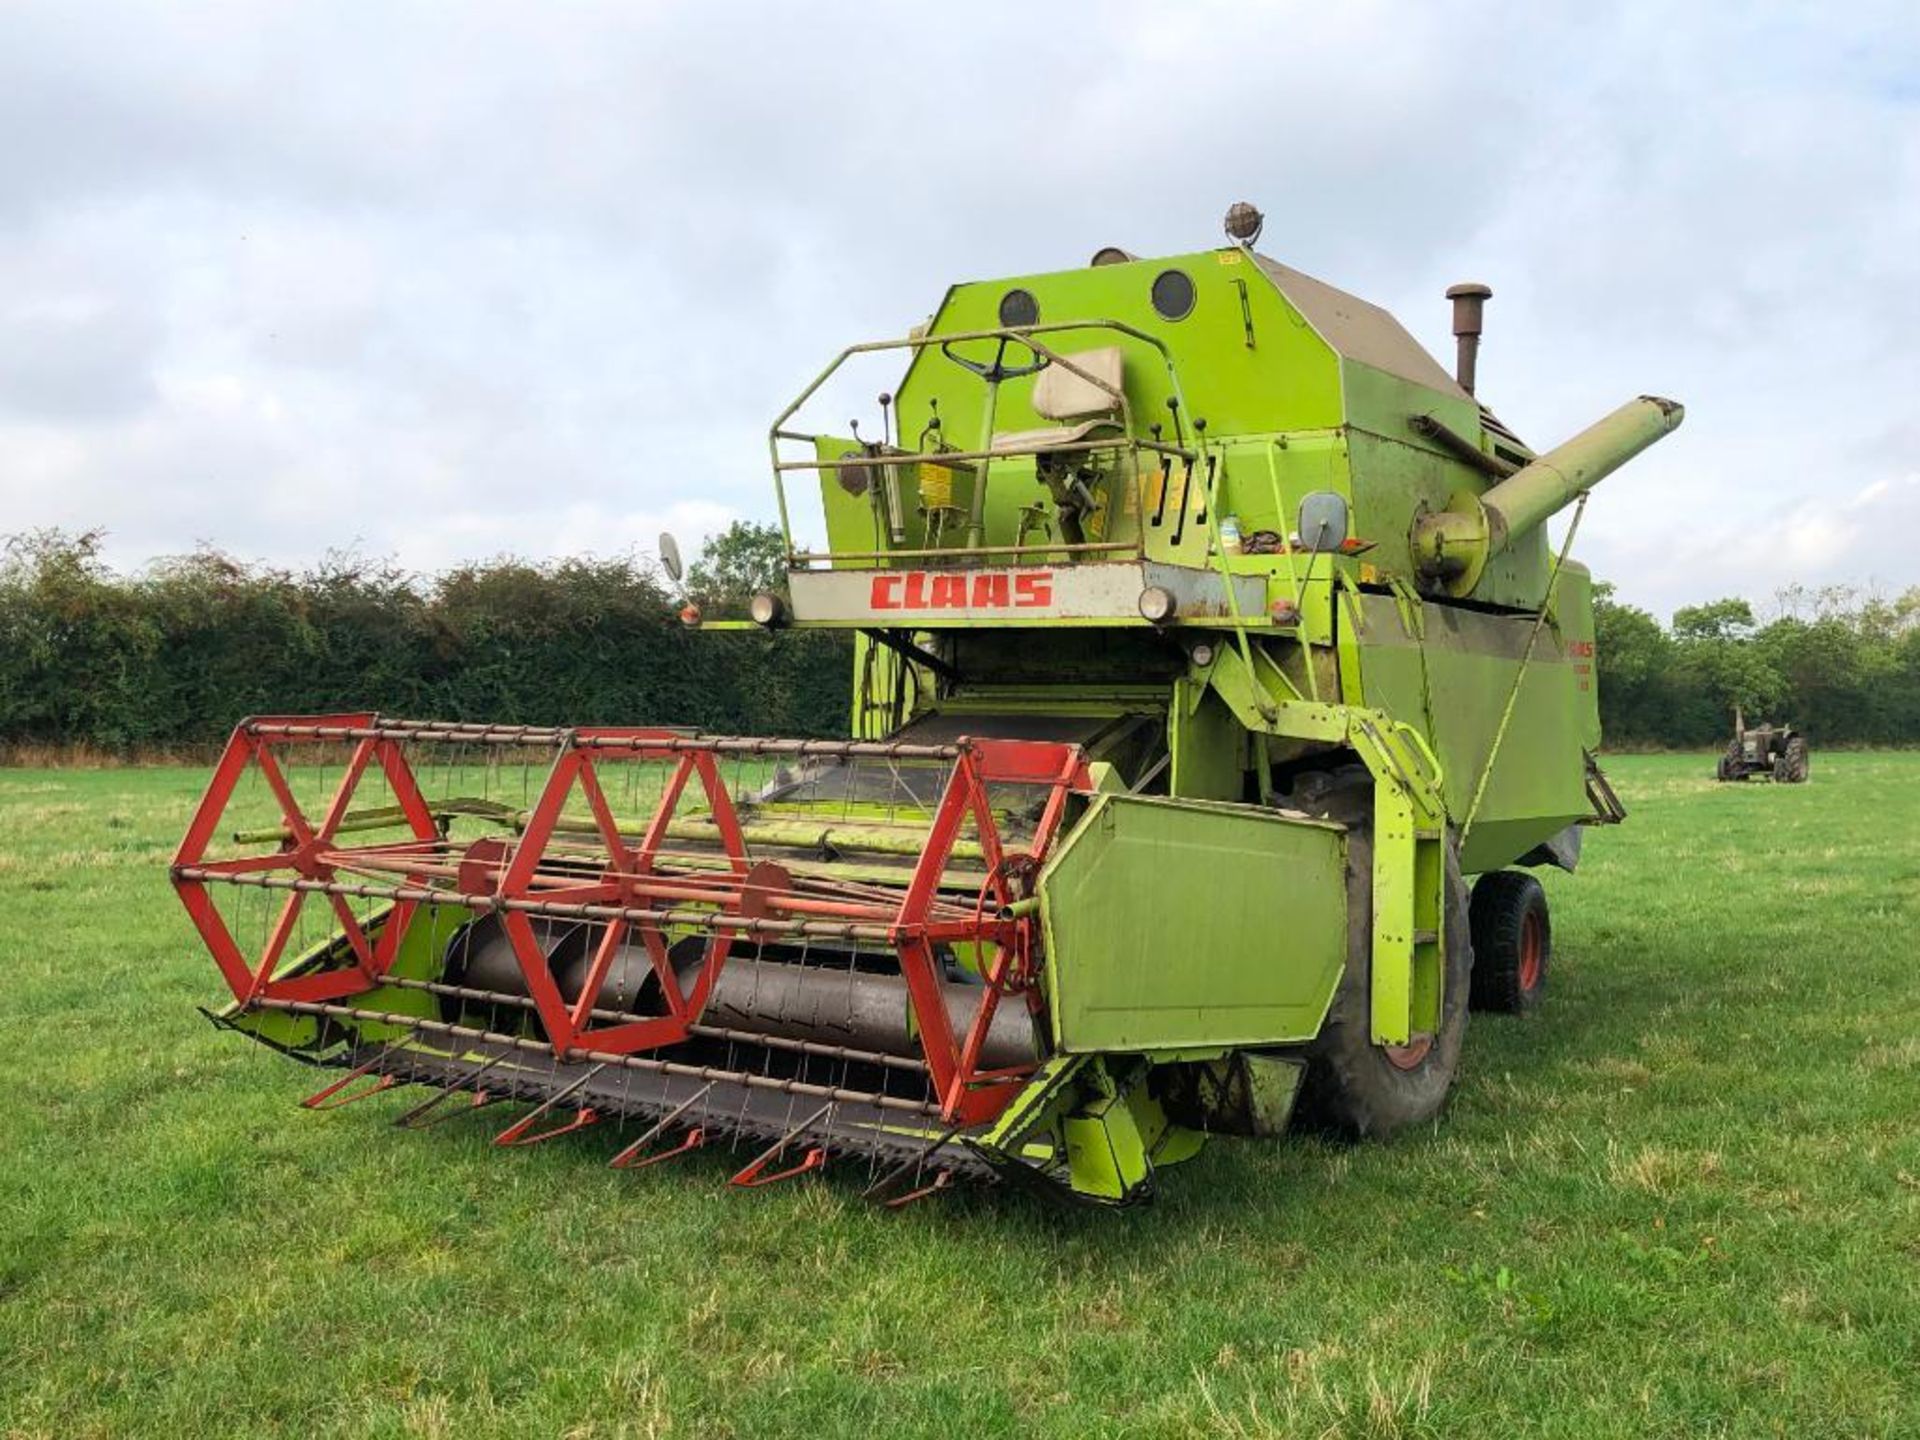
(1734, 761)
(1796, 758)
(1353, 1087)
(1512, 942)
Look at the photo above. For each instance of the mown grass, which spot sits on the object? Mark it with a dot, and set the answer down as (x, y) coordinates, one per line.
(1685, 1201)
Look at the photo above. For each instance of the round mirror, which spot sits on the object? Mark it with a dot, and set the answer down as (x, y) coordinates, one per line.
(1323, 520)
(670, 557)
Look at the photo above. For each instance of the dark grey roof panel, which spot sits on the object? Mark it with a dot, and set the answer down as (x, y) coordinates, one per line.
(1358, 329)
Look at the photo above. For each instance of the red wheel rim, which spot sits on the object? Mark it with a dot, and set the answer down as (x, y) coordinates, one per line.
(1533, 946)
(1409, 1055)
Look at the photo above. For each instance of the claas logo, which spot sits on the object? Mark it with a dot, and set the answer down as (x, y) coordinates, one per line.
(945, 590)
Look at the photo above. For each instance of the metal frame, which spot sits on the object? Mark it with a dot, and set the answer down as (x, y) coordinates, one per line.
(641, 887)
(1022, 335)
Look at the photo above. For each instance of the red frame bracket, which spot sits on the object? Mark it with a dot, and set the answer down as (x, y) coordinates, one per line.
(642, 888)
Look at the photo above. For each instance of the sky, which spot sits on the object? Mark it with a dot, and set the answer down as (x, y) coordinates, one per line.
(445, 281)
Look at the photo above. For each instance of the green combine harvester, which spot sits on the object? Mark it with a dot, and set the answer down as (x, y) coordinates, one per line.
(1208, 637)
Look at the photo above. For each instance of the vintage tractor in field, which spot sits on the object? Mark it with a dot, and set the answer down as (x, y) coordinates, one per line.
(1207, 638)
(1778, 752)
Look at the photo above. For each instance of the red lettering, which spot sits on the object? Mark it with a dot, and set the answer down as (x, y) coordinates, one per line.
(990, 592)
(1032, 590)
(994, 590)
(949, 592)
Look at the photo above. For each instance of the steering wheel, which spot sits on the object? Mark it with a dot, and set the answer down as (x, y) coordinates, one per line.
(999, 370)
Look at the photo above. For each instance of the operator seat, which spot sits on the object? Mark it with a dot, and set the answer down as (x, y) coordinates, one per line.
(1080, 408)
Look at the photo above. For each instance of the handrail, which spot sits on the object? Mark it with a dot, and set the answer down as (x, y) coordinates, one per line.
(1021, 334)
(959, 457)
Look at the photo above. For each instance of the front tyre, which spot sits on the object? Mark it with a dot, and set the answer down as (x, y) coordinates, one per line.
(1354, 1087)
(1512, 942)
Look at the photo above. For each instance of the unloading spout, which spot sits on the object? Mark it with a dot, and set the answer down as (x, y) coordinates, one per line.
(1452, 546)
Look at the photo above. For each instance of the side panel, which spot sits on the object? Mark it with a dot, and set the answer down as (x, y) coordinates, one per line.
(1573, 608)
(1209, 748)
(1175, 924)
(1538, 782)
(1264, 477)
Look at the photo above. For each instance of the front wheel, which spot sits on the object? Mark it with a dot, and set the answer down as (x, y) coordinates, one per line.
(1362, 1090)
(1512, 942)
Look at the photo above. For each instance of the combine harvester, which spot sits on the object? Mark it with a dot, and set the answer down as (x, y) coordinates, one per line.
(1207, 635)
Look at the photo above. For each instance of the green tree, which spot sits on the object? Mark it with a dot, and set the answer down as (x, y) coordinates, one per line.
(738, 564)
(1717, 620)
(1718, 665)
(1635, 659)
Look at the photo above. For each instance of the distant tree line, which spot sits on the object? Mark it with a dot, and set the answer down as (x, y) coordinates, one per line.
(1839, 664)
(169, 658)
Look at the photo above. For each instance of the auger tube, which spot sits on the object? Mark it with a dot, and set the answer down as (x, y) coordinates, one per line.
(1454, 545)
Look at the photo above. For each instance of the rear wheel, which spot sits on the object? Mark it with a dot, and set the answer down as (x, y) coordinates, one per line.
(1354, 1087)
(1796, 758)
(1512, 942)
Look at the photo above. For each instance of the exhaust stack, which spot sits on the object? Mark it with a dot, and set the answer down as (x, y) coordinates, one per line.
(1469, 303)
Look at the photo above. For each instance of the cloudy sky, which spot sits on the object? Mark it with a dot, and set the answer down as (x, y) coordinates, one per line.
(443, 281)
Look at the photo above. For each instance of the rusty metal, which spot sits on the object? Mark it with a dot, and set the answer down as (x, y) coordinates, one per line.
(642, 1063)
(787, 1043)
(562, 910)
(337, 1095)
(634, 1156)
(1431, 428)
(521, 1132)
(416, 1118)
(755, 1174)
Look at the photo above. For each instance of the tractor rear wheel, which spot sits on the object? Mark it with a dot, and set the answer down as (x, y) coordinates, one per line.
(1796, 758)
(1512, 942)
(1362, 1090)
(1733, 764)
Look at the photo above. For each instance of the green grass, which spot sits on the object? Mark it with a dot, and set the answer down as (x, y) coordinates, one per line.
(1685, 1201)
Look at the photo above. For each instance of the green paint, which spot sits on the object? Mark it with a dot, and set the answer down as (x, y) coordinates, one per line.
(1174, 923)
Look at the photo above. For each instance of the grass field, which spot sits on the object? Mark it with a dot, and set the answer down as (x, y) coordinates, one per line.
(1685, 1201)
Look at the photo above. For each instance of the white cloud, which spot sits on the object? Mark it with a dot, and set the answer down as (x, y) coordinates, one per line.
(505, 277)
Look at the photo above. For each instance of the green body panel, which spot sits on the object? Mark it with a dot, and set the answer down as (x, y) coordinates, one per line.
(1209, 747)
(420, 956)
(1288, 380)
(1452, 673)
(1176, 924)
